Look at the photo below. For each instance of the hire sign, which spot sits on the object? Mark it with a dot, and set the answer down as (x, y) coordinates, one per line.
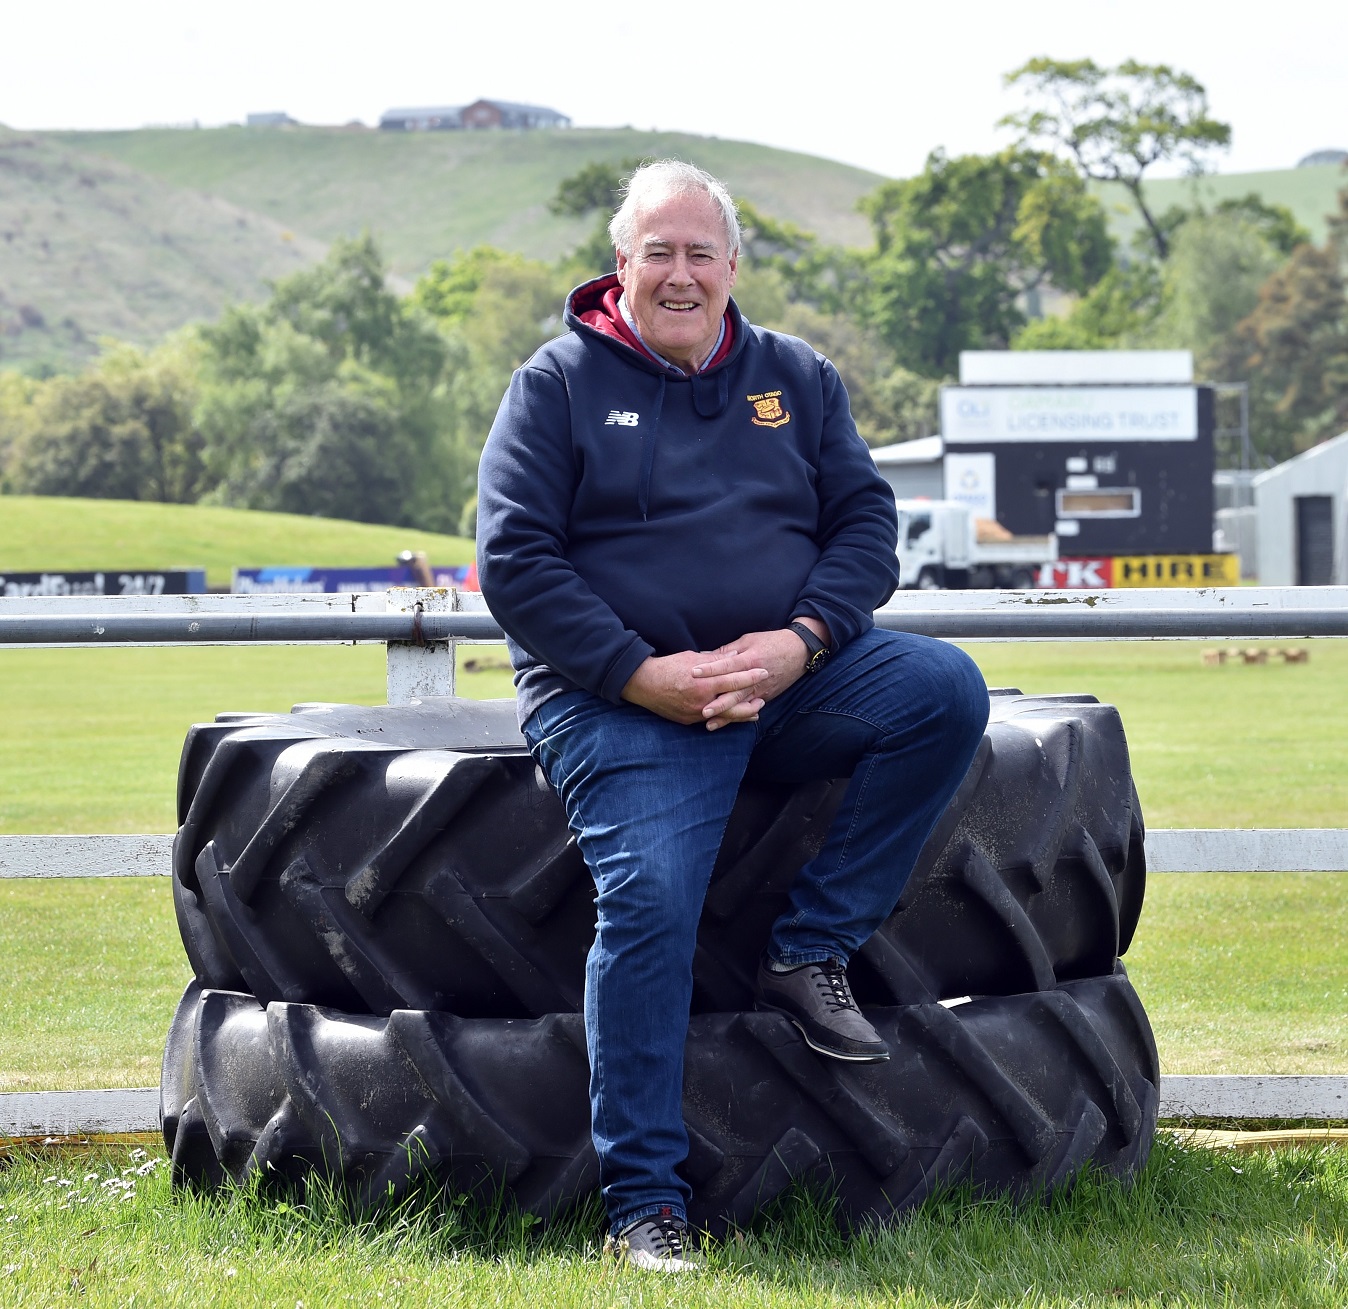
(1140, 570)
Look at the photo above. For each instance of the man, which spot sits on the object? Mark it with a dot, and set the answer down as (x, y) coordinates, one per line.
(684, 539)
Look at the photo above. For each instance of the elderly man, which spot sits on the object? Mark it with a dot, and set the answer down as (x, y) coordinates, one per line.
(684, 538)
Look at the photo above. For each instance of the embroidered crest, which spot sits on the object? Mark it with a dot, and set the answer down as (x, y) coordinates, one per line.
(768, 411)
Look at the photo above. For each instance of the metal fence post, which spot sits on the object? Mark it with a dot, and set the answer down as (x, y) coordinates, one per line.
(418, 669)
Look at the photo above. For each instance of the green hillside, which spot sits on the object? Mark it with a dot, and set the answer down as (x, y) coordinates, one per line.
(1310, 193)
(426, 194)
(49, 532)
(94, 248)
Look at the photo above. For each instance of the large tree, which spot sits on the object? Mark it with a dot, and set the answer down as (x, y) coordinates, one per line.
(331, 399)
(1292, 348)
(124, 429)
(1116, 123)
(959, 247)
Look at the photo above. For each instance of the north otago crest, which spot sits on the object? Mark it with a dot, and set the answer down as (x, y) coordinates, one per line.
(768, 411)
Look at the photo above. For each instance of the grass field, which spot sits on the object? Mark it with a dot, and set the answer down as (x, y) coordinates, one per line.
(426, 194)
(1198, 1229)
(95, 248)
(1310, 193)
(51, 533)
(1239, 973)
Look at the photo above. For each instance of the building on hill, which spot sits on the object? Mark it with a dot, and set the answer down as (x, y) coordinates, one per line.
(480, 115)
(504, 113)
(434, 118)
(1318, 157)
(276, 119)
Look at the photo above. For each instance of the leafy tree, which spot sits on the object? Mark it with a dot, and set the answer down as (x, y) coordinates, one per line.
(1292, 348)
(1116, 312)
(494, 310)
(332, 399)
(1211, 281)
(1117, 122)
(124, 429)
(958, 246)
(16, 398)
(596, 186)
(807, 270)
(448, 289)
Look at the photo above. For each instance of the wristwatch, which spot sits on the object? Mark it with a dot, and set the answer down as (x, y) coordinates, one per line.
(816, 652)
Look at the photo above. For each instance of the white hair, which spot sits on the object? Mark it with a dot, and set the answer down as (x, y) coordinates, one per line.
(660, 180)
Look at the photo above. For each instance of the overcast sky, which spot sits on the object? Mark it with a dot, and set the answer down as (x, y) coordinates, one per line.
(877, 85)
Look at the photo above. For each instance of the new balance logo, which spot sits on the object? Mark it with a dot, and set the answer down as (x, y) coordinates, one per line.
(621, 418)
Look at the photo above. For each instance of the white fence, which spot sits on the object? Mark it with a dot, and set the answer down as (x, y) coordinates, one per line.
(423, 627)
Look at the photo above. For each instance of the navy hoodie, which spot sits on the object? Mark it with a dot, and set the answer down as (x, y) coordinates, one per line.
(627, 510)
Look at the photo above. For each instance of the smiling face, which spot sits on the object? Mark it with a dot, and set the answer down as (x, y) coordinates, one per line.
(678, 277)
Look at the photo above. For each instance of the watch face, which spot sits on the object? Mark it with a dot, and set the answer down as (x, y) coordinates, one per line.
(816, 661)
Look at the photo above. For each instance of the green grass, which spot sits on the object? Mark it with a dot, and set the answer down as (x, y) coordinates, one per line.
(1198, 1229)
(426, 194)
(93, 970)
(52, 532)
(1310, 193)
(1245, 972)
(1236, 745)
(93, 248)
(1239, 973)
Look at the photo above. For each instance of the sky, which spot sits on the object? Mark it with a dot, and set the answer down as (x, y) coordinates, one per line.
(876, 85)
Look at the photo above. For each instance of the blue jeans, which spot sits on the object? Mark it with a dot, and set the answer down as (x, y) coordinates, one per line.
(648, 799)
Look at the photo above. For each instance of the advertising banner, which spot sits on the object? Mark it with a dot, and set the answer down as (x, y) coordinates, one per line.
(1140, 570)
(108, 581)
(318, 581)
(977, 415)
(1177, 570)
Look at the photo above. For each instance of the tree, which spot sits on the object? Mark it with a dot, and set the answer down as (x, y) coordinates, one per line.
(123, 430)
(1116, 313)
(494, 310)
(958, 246)
(1218, 263)
(808, 271)
(1292, 348)
(1117, 122)
(596, 186)
(332, 398)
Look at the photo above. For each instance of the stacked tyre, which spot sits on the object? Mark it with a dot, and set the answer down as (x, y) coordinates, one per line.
(388, 921)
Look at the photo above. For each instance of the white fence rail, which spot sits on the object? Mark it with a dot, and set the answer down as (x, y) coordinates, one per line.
(422, 628)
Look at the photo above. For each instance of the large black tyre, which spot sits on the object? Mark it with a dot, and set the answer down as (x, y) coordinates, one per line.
(1012, 1094)
(413, 857)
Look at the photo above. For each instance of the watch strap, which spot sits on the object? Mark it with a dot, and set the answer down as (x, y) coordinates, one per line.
(817, 651)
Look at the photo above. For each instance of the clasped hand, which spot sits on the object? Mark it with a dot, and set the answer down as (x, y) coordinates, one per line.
(717, 687)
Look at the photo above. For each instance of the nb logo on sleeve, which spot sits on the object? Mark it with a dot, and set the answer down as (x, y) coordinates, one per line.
(621, 418)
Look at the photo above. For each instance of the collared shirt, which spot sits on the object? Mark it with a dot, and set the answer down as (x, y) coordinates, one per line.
(625, 309)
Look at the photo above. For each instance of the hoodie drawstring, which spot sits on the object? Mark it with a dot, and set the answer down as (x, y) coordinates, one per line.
(648, 435)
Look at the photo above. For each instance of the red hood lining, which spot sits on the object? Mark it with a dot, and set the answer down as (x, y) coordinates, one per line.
(596, 305)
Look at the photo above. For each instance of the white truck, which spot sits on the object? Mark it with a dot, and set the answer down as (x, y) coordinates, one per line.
(941, 544)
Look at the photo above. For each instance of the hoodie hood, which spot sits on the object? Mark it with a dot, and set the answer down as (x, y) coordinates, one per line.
(592, 309)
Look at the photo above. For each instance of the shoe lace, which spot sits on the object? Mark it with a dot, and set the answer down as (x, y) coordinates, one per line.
(832, 981)
(671, 1237)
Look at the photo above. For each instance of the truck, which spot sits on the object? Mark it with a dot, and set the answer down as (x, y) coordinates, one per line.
(943, 545)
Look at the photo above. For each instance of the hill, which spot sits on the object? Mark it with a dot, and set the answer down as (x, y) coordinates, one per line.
(51, 533)
(92, 247)
(426, 194)
(1310, 193)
